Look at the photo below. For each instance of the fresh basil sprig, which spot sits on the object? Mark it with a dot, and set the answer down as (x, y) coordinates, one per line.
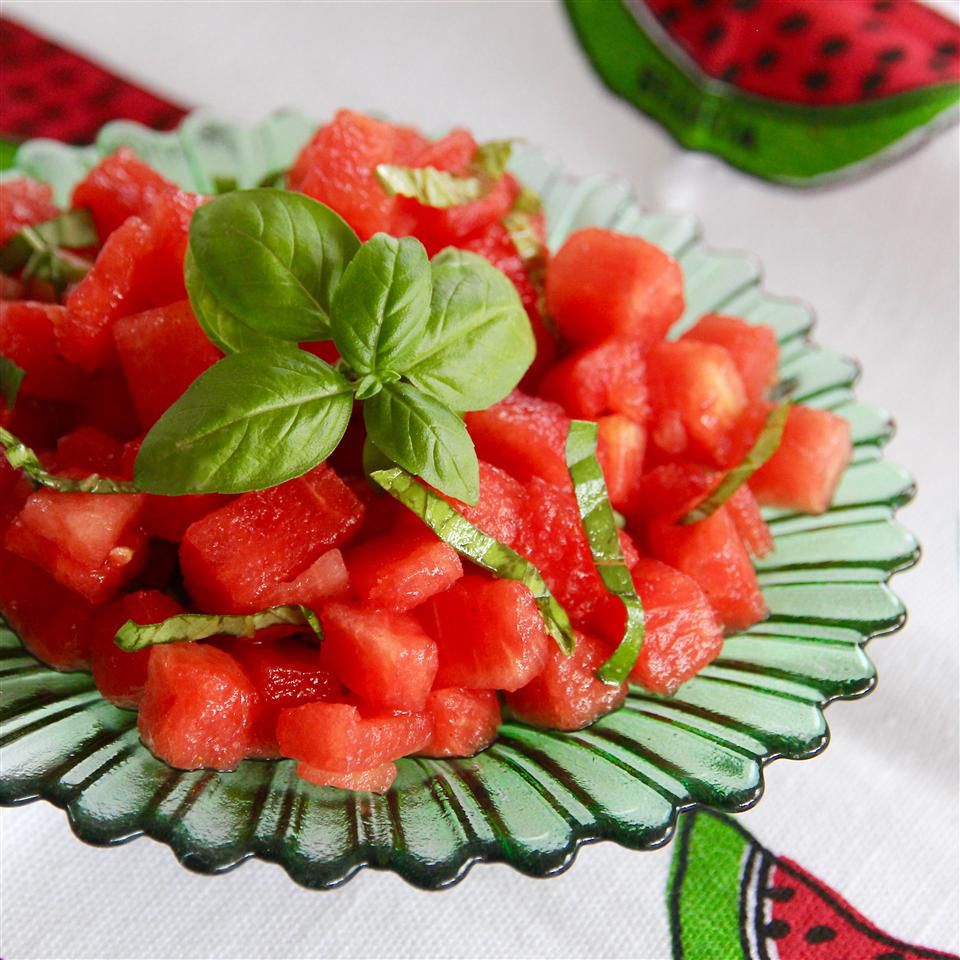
(479, 547)
(21, 457)
(764, 447)
(420, 342)
(183, 627)
(42, 250)
(11, 376)
(599, 524)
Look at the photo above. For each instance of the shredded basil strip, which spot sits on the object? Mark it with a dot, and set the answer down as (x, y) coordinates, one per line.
(199, 626)
(491, 158)
(485, 551)
(599, 524)
(11, 376)
(40, 250)
(783, 390)
(762, 450)
(21, 457)
(428, 185)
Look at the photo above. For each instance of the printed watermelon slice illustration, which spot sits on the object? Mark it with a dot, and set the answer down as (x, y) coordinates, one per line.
(798, 91)
(731, 899)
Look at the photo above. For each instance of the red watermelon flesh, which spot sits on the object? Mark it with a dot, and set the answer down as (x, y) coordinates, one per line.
(232, 558)
(752, 347)
(602, 284)
(523, 435)
(336, 737)
(754, 532)
(712, 553)
(169, 223)
(567, 695)
(116, 286)
(38, 423)
(805, 470)
(27, 338)
(500, 507)
(285, 672)
(121, 676)
(90, 450)
(108, 406)
(671, 490)
(621, 443)
(489, 634)
(168, 339)
(118, 187)
(198, 707)
(400, 571)
(91, 544)
(608, 377)
(681, 631)
(337, 168)
(326, 577)
(463, 722)
(818, 52)
(375, 780)
(53, 622)
(23, 203)
(384, 657)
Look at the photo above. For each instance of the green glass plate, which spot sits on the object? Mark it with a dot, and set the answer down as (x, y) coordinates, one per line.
(533, 797)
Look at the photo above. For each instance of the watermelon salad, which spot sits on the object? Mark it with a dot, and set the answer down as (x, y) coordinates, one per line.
(347, 466)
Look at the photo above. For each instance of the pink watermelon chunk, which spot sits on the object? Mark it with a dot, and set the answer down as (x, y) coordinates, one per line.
(463, 722)
(24, 202)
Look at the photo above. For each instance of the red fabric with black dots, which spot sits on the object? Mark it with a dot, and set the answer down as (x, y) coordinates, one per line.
(47, 91)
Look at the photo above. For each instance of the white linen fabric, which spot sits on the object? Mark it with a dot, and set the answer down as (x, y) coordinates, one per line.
(876, 815)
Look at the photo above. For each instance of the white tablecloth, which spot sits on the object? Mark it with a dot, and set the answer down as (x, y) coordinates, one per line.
(876, 815)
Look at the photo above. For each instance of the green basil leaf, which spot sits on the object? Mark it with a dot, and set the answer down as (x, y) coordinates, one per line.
(21, 457)
(382, 303)
(253, 420)
(424, 437)
(272, 259)
(199, 626)
(491, 158)
(72, 229)
(479, 547)
(477, 343)
(224, 330)
(599, 524)
(11, 376)
(428, 185)
(764, 447)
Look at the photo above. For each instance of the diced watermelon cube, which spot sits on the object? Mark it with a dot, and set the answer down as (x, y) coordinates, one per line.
(554, 539)
(14, 490)
(602, 284)
(621, 443)
(489, 633)
(681, 631)
(464, 722)
(567, 695)
(335, 736)
(375, 780)
(121, 676)
(452, 153)
(118, 187)
(53, 622)
(116, 286)
(804, 472)
(384, 657)
(24, 202)
(169, 223)
(523, 435)
(696, 397)
(232, 558)
(712, 553)
(166, 339)
(27, 338)
(408, 144)
(752, 347)
(108, 406)
(198, 707)
(89, 450)
(745, 513)
(285, 672)
(337, 168)
(671, 490)
(326, 577)
(90, 543)
(399, 572)
(609, 377)
(500, 507)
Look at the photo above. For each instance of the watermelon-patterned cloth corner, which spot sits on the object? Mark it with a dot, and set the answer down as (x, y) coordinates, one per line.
(801, 92)
(730, 898)
(48, 91)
